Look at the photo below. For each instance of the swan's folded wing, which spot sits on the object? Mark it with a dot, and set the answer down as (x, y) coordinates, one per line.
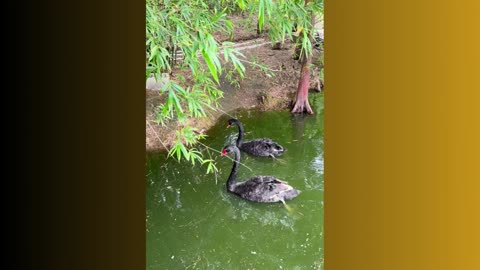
(272, 146)
(265, 189)
(271, 180)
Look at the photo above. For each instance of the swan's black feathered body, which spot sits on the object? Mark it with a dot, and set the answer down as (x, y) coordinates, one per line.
(259, 147)
(262, 148)
(265, 189)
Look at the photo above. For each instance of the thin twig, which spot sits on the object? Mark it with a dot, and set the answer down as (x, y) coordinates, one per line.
(225, 156)
(255, 64)
(156, 134)
(224, 112)
(215, 150)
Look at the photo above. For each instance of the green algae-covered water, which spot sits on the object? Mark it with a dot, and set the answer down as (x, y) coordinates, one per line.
(193, 223)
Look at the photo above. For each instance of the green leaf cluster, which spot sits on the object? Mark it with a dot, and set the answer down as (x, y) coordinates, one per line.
(185, 29)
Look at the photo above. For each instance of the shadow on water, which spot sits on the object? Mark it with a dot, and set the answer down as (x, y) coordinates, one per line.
(193, 223)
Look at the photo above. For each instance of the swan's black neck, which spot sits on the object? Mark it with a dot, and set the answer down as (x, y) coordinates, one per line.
(233, 174)
(240, 133)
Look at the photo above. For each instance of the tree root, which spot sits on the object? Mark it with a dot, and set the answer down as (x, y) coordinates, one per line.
(302, 107)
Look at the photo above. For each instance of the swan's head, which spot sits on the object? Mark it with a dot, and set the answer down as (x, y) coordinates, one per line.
(228, 149)
(231, 122)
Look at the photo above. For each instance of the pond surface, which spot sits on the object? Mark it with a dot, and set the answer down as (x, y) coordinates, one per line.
(193, 223)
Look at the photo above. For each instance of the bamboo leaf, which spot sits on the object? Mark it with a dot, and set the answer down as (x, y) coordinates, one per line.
(185, 153)
(211, 66)
(209, 168)
(241, 4)
(261, 12)
(173, 96)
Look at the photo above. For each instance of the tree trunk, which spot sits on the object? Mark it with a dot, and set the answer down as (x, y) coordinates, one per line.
(301, 104)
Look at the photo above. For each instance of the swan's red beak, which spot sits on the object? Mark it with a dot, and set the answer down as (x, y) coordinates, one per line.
(224, 152)
(228, 125)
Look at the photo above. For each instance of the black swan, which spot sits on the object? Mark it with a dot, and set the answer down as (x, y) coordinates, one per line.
(258, 147)
(265, 189)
